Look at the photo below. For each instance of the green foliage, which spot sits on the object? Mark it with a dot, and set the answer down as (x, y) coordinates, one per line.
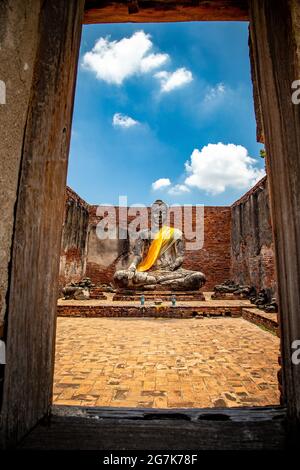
(263, 153)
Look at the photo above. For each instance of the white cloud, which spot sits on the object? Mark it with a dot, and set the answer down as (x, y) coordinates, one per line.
(114, 61)
(179, 189)
(215, 92)
(153, 61)
(161, 183)
(121, 120)
(171, 80)
(218, 166)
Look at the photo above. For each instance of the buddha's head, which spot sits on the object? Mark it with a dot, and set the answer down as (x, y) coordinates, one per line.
(159, 214)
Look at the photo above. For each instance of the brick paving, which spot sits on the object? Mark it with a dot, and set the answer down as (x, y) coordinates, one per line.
(165, 363)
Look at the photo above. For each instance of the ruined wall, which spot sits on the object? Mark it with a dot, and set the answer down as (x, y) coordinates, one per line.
(104, 256)
(74, 239)
(215, 256)
(252, 257)
(238, 243)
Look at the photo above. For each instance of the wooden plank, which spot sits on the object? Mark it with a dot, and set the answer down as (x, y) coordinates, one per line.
(38, 223)
(275, 40)
(143, 11)
(256, 98)
(103, 429)
(17, 54)
(246, 413)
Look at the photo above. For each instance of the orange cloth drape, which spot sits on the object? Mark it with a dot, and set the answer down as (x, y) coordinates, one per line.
(161, 241)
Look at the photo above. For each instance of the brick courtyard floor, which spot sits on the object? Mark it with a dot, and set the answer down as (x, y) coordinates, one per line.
(164, 363)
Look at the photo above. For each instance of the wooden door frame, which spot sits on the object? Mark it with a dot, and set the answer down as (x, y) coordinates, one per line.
(31, 311)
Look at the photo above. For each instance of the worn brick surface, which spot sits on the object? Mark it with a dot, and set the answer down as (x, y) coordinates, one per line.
(184, 309)
(164, 363)
(74, 238)
(252, 260)
(261, 318)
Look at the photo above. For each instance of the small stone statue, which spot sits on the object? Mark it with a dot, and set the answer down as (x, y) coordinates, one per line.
(157, 262)
(261, 299)
(78, 290)
(230, 287)
(272, 307)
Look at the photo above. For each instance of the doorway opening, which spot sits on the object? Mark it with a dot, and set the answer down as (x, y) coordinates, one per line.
(136, 100)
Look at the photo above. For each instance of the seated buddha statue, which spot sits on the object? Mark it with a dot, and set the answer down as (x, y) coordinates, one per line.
(157, 260)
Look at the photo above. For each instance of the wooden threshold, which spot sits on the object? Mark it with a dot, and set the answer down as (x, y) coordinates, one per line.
(82, 428)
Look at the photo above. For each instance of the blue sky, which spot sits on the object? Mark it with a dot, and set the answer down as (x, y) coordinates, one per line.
(169, 94)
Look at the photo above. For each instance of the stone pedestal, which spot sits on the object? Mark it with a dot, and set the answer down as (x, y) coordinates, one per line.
(128, 295)
(228, 296)
(97, 293)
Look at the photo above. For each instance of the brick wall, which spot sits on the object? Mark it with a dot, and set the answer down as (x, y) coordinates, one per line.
(252, 257)
(238, 242)
(213, 258)
(74, 239)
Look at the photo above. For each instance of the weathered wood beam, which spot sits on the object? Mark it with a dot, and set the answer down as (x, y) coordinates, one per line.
(130, 429)
(31, 312)
(143, 11)
(256, 98)
(275, 38)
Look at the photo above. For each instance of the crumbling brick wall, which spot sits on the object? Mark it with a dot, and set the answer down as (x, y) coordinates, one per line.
(252, 250)
(74, 239)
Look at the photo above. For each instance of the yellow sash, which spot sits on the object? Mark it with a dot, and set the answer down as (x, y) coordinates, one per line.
(162, 241)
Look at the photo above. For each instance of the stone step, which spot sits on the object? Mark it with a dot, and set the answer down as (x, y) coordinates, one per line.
(161, 311)
(228, 296)
(97, 293)
(261, 318)
(156, 295)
